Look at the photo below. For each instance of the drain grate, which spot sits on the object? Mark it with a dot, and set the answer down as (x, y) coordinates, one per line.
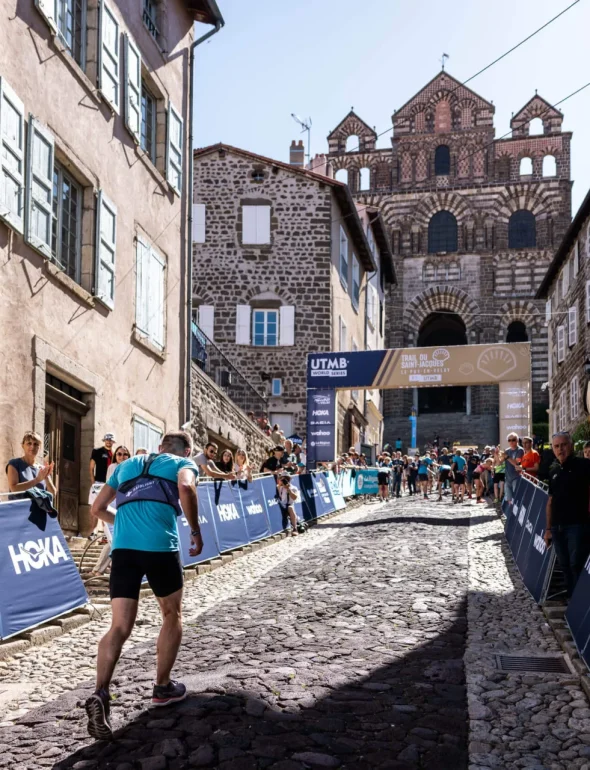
(553, 665)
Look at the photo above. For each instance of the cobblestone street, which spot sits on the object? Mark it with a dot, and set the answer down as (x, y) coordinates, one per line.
(348, 647)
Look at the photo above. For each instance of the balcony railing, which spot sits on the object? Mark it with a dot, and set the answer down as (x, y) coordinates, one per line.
(209, 358)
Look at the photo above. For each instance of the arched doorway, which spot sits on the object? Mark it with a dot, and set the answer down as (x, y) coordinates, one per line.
(517, 332)
(442, 328)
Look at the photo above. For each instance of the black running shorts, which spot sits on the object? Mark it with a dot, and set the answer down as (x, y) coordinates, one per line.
(459, 477)
(163, 570)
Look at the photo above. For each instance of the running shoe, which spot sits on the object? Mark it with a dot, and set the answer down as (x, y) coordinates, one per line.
(98, 711)
(164, 694)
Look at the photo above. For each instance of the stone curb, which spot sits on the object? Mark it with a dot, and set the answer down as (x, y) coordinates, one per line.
(37, 636)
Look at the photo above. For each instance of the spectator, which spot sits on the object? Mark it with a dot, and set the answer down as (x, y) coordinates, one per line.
(458, 466)
(383, 483)
(226, 464)
(299, 457)
(274, 463)
(586, 450)
(25, 472)
(398, 444)
(101, 458)
(276, 434)
(444, 473)
(412, 475)
(473, 461)
(242, 468)
(121, 454)
(499, 478)
(252, 416)
(397, 469)
(287, 495)
(568, 520)
(205, 462)
(531, 459)
(141, 451)
(512, 457)
(480, 478)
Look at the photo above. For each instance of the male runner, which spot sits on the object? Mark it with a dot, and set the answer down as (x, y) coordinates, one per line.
(458, 467)
(151, 492)
(423, 468)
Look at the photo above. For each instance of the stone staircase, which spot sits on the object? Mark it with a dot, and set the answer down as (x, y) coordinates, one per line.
(85, 554)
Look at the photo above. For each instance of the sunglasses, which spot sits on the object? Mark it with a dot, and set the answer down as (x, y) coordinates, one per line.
(122, 454)
(511, 440)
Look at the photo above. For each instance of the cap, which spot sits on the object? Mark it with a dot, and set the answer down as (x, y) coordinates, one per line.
(108, 437)
(278, 448)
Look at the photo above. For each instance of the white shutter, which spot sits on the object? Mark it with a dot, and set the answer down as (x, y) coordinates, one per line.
(287, 325)
(12, 157)
(262, 224)
(576, 259)
(199, 215)
(132, 88)
(243, 314)
(572, 318)
(47, 9)
(574, 398)
(156, 303)
(106, 250)
(140, 435)
(174, 149)
(154, 438)
(142, 266)
(588, 302)
(560, 344)
(109, 57)
(565, 279)
(249, 224)
(207, 320)
(39, 189)
(548, 311)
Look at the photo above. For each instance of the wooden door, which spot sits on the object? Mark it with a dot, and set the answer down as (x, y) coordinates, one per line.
(68, 468)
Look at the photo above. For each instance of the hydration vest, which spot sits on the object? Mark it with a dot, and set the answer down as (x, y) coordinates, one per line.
(148, 488)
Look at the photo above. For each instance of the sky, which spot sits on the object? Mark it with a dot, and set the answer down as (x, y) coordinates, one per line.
(319, 58)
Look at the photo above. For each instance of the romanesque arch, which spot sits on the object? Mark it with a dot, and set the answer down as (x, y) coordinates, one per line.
(437, 298)
(517, 310)
(442, 201)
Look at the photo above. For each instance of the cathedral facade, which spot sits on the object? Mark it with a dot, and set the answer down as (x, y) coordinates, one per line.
(473, 222)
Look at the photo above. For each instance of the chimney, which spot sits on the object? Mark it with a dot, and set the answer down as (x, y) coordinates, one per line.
(297, 154)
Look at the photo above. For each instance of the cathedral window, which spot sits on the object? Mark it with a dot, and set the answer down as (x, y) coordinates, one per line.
(536, 127)
(522, 230)
(526, 167)
(517, 332)
(442, 232)
(342, 175)
(549, 166)
(442, 160)
(352, 143)
(503, 168)
(365, 179)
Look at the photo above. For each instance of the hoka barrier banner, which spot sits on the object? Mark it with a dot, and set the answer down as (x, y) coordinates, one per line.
(578, 614)
(324, 496)
(227, 516)
(207, 527)
(253, 509)
(38, 577)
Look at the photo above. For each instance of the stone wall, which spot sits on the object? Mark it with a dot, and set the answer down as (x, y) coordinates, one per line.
(216, 418)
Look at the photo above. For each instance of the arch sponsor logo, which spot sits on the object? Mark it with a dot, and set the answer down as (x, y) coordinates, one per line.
(37, 554)
(333, 366)
(496, 362)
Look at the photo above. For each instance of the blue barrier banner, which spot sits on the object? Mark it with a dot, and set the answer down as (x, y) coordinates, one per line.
(578, 614)
(337, 497)
(38, 576)
(324, 493)
(346, 482)
(525, 526)
(207, 526)
(253, 509)
(365, 481)
(312, 505)
(227, 516)
(268, 492)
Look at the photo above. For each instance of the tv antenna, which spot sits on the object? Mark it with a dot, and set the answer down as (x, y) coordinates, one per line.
(305, 126)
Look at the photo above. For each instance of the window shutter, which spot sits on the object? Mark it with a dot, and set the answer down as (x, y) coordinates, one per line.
(109, 57)
(548, 311)
(262, 224)
(243, 313)
(207, 320)
(106, 248)
(132, 88)
(576, 259)
(140, 435)
(155, 305)
(154, 438)
(199, 215)
(39, 189)
(174, 149)
(143, 253)
(287, 325)
(572, 325)
(12, 157)
(47, 9)
(560, 343)
(588, 302)
(248, 224)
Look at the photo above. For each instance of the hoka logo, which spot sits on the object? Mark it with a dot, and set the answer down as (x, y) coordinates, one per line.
(228, 512)
(529, 527)
(540, 546)
(36, 554)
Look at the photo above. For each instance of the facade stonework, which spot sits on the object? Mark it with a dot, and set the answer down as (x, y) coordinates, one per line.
(445, 160)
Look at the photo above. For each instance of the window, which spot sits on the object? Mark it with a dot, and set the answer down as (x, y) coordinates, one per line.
(66, 223)
(442, 160)
(150, 18)
(343, 258)
(372, 299)
(146, 435)
(352, 143)
(526, 167)
(148, 123)
(560, 344)
(371, 240)
(381, 318)
(277, 386)
(199, 215)
(12, 157)
(71, 27)
(342, 175)
(356, 281)
(343, 336)
(517, 332)
(536, 127)
(549, 166)
(522, 230)
(574, 398)
(503, 168)
(442, 232)
(572, 325)
(256, 225)
(562, 411)
(588, 302)
(576, 260)
(265, 327)
(365, 179)
(150, 293)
